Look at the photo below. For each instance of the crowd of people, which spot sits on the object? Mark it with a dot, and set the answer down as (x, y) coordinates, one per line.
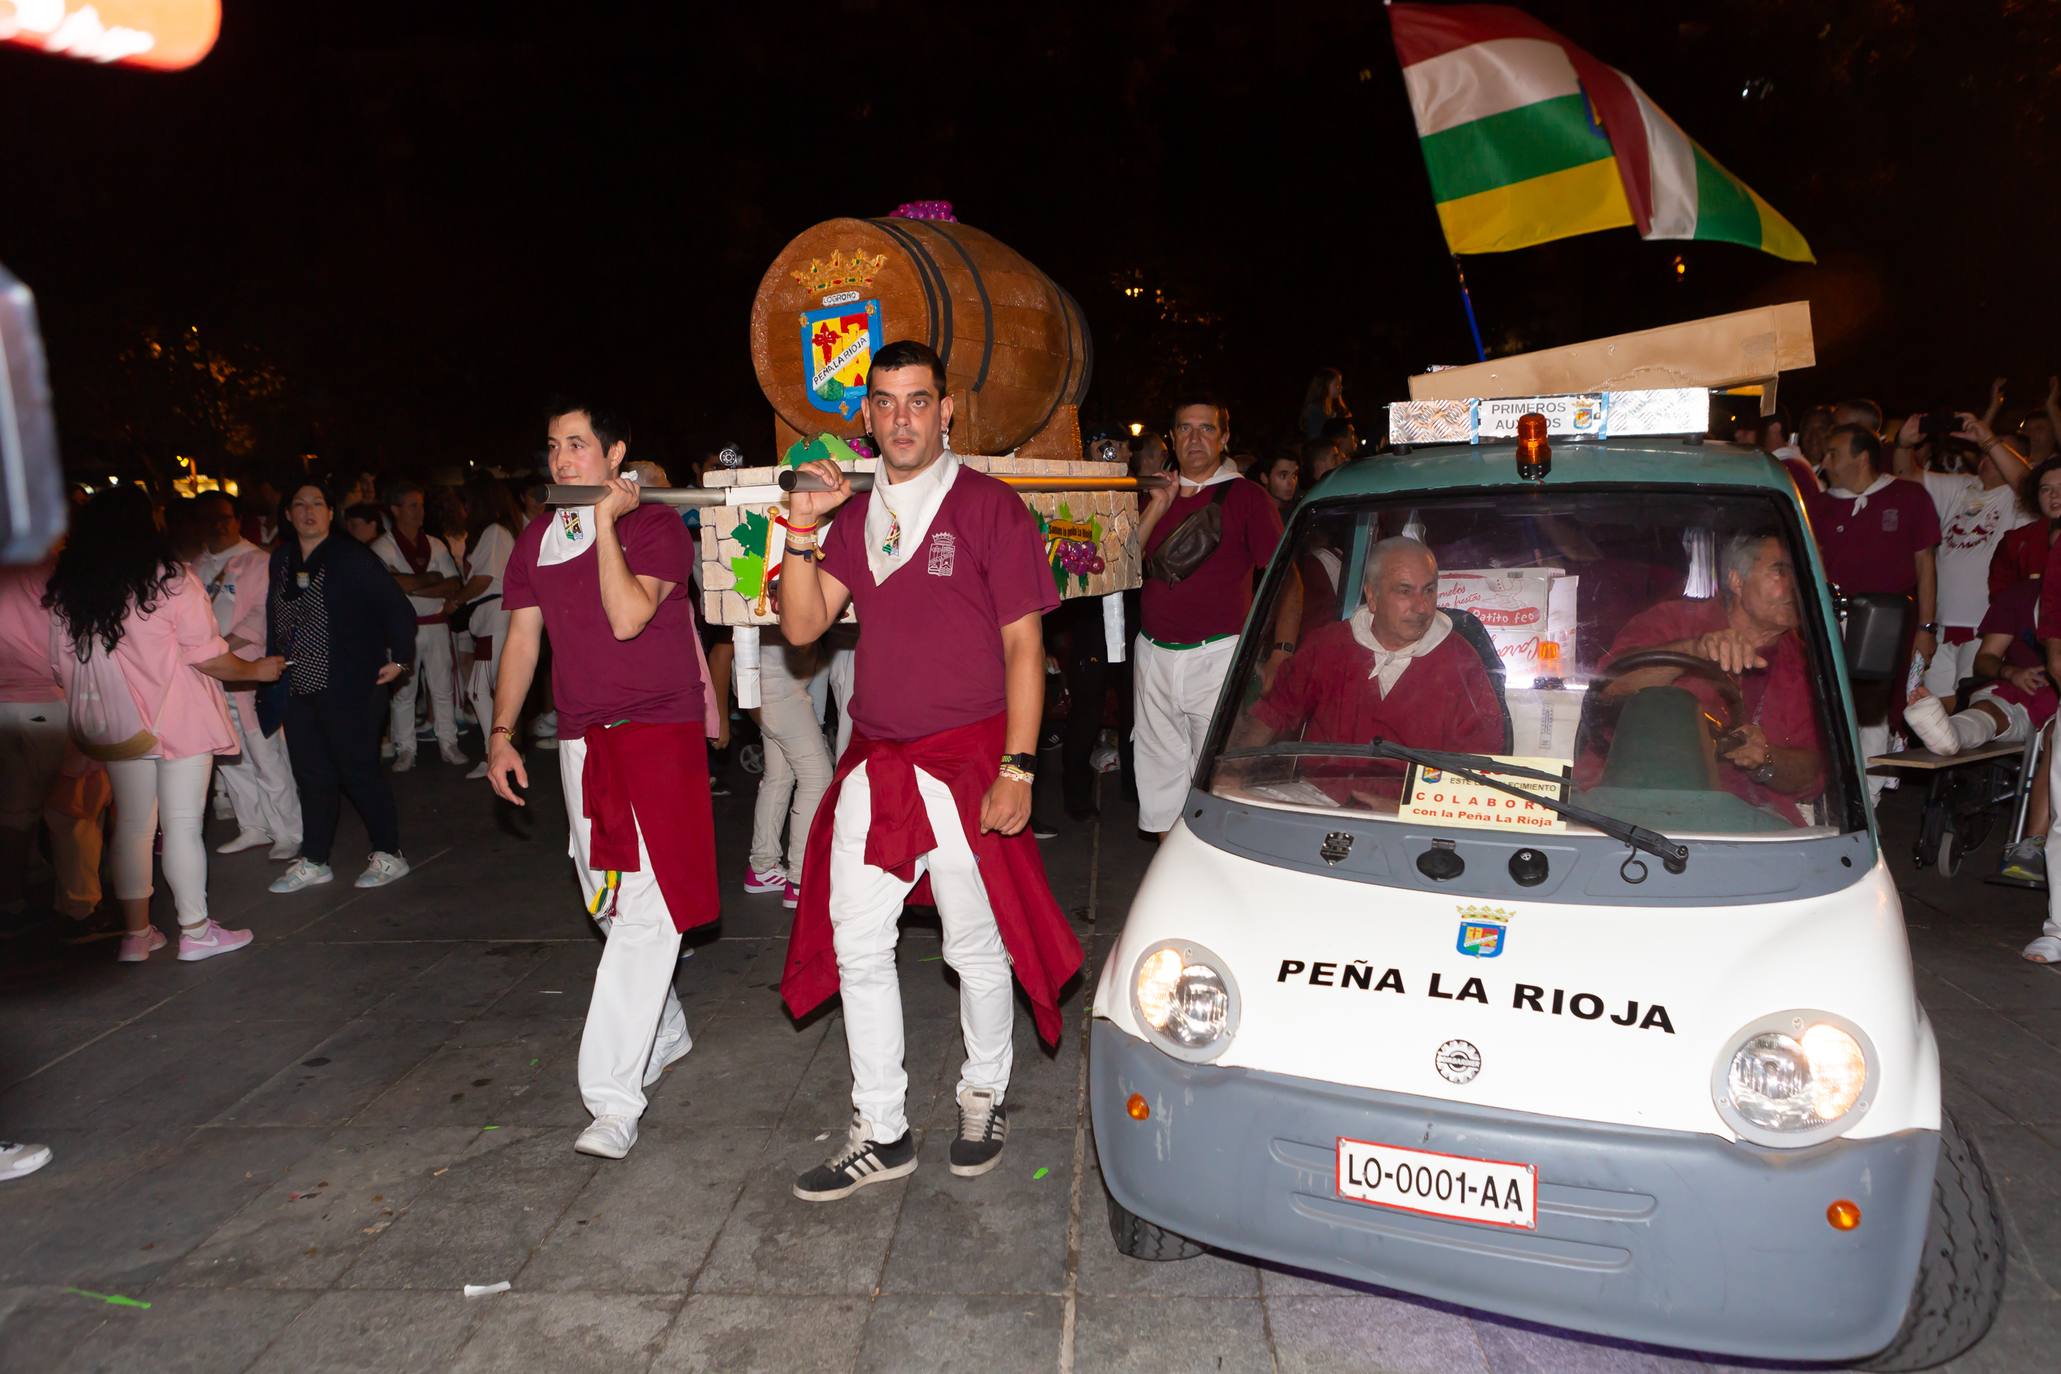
(267, 655)
(294, 664)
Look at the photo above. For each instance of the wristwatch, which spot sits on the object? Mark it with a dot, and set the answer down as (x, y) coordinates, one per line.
(1930, 627)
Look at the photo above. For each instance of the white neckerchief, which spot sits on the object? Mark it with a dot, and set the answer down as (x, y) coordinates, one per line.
(1224, 473)
(570, 534)
(1390, 664)
(1860, 498)
(901, 512)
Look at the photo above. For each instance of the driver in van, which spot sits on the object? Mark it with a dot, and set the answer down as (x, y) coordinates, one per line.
(1393, 669)
(1749, 633)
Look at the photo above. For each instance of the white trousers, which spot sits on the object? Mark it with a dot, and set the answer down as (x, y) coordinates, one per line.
(433, 669)
(1949, 665)
(844, 672)
(634, 1017)
(865, 915)
(798, 764)
(260, 784)
(479, 685)
(1173, 693)
(32, 742)
(167, 794)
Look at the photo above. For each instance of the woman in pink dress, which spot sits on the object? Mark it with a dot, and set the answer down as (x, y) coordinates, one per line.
(117, 584)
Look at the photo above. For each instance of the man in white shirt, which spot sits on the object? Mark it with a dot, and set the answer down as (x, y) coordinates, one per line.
(261, 790)
(423, 565)
(1976, 510)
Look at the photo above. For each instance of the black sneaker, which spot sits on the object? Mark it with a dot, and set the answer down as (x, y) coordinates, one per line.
(859, 1163)
(1043, 830)
(983, 1130)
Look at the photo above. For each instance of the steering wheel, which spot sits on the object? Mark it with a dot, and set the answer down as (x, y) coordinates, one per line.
(1639, 659)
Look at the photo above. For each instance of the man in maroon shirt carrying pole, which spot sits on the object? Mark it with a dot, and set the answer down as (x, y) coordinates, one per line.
(610, 584)
(1191, 624)
(948, 574)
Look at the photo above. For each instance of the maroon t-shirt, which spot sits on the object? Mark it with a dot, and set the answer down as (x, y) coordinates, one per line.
(1876, 550)
(2015, 612)
(1214, 598)
(597, 679)
(930, 637)
(1777, 698)
(1325, 694)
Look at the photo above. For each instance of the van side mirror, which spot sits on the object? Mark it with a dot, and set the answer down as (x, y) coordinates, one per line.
(1874, 634)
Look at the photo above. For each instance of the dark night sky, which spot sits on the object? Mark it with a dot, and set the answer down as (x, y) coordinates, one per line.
(425, 221)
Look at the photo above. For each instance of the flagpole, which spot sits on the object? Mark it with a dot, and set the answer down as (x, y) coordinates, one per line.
(1467, 303)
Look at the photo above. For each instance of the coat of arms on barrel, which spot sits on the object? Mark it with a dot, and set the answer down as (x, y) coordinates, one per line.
(1017, 359)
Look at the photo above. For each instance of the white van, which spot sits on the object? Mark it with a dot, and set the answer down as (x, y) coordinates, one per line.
(1588, 1002)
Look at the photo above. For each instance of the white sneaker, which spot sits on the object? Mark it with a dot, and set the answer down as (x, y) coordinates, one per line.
(18, 1160)
(404, 760)
(386, 748)
(225, 810)
(610, 1137)
(245, 839)
(382, 869)
(282, 850)
(545, 726)
(302, 873)
(479, 770)
(662, 1059)
(453, 755)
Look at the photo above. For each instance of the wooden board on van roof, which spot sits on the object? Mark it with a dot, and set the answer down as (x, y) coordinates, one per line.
(1721, 351)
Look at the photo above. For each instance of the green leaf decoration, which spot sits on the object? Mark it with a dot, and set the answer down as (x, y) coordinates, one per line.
(749, 569)
(1064, 513)
(1059, 576)
(751, 533)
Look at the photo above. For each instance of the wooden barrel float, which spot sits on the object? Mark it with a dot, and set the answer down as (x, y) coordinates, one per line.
(1017, 351)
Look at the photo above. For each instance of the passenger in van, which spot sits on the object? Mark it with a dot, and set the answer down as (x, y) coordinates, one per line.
(1393, 669)
(1749, 632)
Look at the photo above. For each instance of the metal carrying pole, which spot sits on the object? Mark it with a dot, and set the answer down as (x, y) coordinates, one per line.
(794, 479)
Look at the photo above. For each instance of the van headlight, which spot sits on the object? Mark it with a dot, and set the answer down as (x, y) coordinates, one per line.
(1186, 999)
(1794, 1078)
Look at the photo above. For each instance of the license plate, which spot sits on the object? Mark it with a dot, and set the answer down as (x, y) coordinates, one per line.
(1493, 1192)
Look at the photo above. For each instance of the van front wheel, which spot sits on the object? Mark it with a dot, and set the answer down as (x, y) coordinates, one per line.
(1961, 1274)
(1140, 1239)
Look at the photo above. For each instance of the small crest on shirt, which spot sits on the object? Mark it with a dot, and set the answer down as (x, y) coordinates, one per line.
(569, 521)
(943, 551)
(1889, 516)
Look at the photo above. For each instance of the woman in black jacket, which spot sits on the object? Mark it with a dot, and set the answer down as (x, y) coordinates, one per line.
(346, 631)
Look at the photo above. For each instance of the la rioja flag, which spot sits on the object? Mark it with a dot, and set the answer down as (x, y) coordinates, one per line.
(1528, 138)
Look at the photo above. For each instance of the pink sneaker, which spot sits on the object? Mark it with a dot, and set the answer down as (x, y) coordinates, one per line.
(793, 897)
(773, 880)
(212, 940)
(140, 946)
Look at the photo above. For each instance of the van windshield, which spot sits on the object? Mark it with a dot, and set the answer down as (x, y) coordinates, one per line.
(1650, 655)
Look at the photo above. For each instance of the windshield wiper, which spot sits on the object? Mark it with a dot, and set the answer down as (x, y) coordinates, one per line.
(1673, 856)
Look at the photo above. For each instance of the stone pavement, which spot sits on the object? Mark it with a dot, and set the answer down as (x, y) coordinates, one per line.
(298, 1155)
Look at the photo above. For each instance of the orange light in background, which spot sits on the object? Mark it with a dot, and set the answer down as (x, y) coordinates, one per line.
(1138, 1107)
(1681, 268)
(162, 34)
(1136, 429)
(1843, 1215)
